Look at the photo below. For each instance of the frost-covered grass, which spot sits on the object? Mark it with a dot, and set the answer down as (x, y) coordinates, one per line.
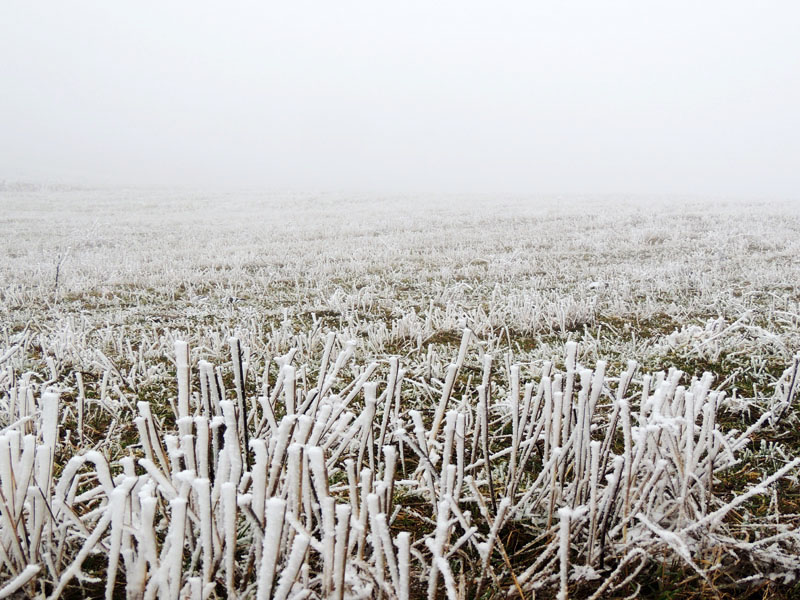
(260, 396)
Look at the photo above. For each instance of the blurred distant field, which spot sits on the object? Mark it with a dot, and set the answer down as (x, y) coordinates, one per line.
(627, 279)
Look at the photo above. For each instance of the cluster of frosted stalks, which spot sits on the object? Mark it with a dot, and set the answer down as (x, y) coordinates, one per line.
(300, 492)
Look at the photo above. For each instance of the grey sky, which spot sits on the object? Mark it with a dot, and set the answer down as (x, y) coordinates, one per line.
(533, 97)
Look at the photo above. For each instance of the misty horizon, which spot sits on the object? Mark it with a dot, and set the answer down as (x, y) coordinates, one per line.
(681, 99)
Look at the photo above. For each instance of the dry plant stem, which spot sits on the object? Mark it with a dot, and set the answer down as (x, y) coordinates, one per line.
(483, 415)
(19, 581)
(565, 514)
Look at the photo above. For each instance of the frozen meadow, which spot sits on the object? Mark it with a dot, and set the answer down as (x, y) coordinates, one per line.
(266, 396)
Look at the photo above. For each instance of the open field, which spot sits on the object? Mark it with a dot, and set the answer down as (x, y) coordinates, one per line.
(257, 396)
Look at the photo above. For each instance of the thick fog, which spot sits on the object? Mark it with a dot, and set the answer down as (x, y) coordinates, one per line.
(679, 97)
